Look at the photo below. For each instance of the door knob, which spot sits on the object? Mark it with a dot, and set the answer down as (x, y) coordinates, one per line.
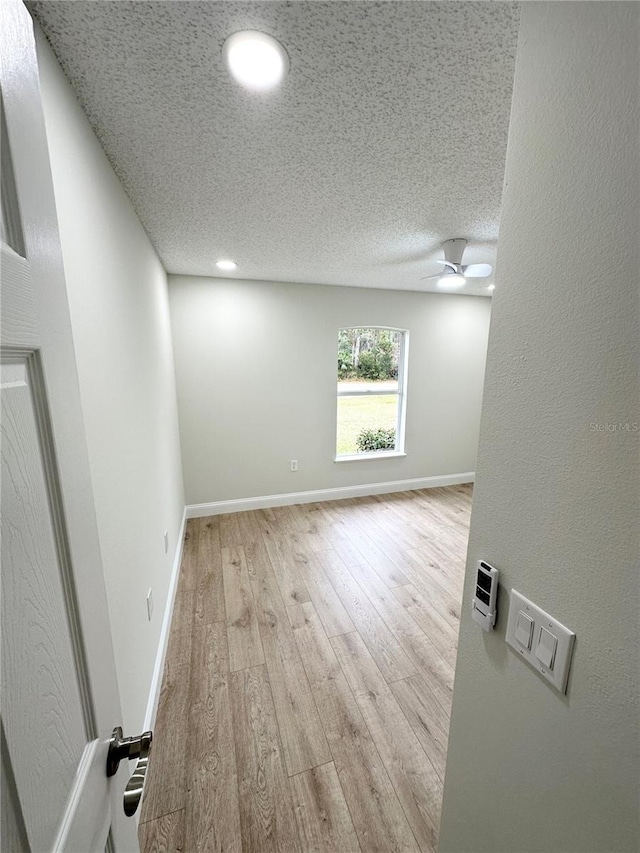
(130, 748)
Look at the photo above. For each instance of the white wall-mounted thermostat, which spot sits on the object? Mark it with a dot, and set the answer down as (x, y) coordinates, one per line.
(485, 596)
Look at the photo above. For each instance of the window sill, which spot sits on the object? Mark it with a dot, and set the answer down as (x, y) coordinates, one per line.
(362, 457)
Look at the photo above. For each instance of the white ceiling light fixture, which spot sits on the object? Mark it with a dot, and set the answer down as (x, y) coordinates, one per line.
(451, 279)
(227, 266)
(491, 287)
(256, 60)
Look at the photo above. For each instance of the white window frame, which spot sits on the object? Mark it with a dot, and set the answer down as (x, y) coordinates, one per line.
(403, 365)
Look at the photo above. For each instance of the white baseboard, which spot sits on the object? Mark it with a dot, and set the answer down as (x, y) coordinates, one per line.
(156, 680)
(264, 501)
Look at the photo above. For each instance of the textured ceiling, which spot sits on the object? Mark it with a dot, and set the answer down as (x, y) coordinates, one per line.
(387, 137)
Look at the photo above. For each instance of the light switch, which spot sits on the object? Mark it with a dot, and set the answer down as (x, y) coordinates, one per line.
(538, 638)
(546, 651)
(524, 629)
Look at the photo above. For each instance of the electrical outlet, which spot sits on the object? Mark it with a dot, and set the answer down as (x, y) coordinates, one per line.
(150, 604)
(166, 542)
(294, 464)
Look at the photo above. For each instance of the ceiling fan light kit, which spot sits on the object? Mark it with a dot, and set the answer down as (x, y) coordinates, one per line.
(451, 279)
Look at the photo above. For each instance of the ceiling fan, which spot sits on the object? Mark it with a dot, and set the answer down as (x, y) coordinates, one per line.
(455, 273)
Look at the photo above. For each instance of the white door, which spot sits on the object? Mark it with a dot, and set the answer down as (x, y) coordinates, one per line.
(60, 698)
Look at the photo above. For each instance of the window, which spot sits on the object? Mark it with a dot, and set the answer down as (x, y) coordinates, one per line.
(372, 366)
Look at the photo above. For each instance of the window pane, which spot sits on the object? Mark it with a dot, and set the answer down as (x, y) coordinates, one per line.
(369, 390)
(356, 414)
(368, 355)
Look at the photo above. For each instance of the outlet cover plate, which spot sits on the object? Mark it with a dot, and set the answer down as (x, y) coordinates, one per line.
(559, 671)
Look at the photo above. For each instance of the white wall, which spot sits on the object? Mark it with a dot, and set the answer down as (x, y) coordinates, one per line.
(556, 501)
(120, 317)
(256, 377)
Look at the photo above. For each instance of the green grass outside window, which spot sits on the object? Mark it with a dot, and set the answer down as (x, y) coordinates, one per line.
(358, 413)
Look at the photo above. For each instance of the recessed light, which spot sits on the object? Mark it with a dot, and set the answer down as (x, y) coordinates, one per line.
(453, 279)
(227, 266)
(255, 59)
(491, 287)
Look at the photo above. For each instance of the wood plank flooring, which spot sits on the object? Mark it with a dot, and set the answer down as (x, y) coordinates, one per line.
(307, 689)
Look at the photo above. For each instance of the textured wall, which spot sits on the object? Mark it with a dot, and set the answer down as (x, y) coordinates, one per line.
(556, 501)
(256, 379)
(119, 312)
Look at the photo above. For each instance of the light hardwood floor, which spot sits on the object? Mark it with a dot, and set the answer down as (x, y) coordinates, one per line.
(307, 689)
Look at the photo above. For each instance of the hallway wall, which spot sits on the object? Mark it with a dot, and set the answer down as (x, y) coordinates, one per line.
(556, 502)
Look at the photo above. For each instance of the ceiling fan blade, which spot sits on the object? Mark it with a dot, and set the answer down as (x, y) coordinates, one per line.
(477, 270)
(453, 266)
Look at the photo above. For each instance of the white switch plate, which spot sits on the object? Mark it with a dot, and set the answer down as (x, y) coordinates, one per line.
(559, 672)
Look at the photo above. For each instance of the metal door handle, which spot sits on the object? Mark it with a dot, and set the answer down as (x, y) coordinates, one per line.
(130, 748)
